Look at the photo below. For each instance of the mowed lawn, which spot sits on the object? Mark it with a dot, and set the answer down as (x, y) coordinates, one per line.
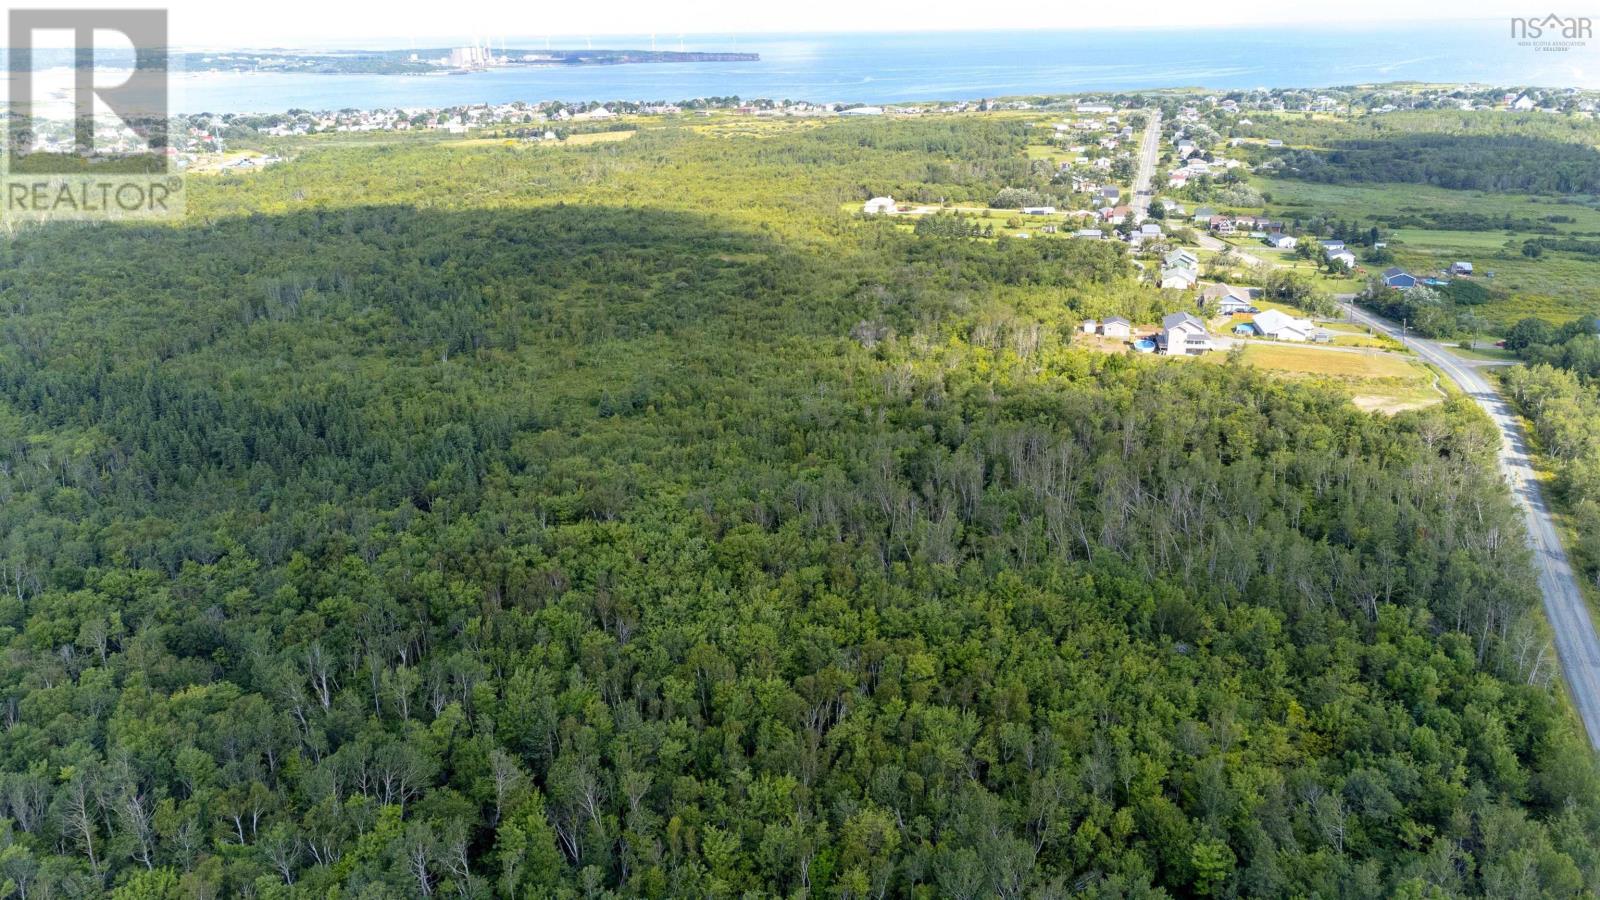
(1317, 361)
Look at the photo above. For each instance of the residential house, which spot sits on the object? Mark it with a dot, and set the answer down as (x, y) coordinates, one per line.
(1281, 326)
(1399, 279)
(1150, 230)
(1181, 259)
(1330, 246)
(1281, 241)
(1222, 224)
(879, 205)
(1183, 334)
(1178, 278)
(1225, 299)
(1344, 256)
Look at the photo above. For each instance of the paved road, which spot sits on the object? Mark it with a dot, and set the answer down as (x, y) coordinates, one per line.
(1212, 242)
(1145, 174)
(1576, 643)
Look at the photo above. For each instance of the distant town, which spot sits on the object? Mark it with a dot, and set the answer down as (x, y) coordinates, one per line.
(476, 57)
(1106, 154)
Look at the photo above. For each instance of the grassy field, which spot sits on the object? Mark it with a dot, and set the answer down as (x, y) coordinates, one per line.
(1379, 382)
(1557, 286)
(1287, 260)
(1422, 239)
(1360, 201)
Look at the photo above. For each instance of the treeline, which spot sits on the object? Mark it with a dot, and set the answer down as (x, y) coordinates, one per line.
(1573, 346)
(1459, 220)
(1564, 409)
(1537, 246)
(952, 225)
(1482, 163)
(1489, 151)
(1559, 392)
(731, 546)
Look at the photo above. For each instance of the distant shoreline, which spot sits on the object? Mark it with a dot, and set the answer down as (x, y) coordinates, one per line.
(886, 69)
(438, 60)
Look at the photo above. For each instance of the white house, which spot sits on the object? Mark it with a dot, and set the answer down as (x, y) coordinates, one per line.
(879, 205)
(1183, 334)
(1150, 230)
(1090, 326)
(1344, 256)
(1330, 246)
(1117, 327)
(1225, 299)
(1281, 326)
(1178, 278)
(1281, 241)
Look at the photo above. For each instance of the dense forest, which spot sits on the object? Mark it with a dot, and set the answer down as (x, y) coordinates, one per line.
(631, 520)
(1458, 162)
(1488, 151)
(1559, 392)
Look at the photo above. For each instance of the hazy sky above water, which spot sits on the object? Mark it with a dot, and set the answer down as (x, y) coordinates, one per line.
(317, 23)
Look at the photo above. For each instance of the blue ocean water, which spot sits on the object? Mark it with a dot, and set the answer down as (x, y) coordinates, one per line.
(887, 68)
